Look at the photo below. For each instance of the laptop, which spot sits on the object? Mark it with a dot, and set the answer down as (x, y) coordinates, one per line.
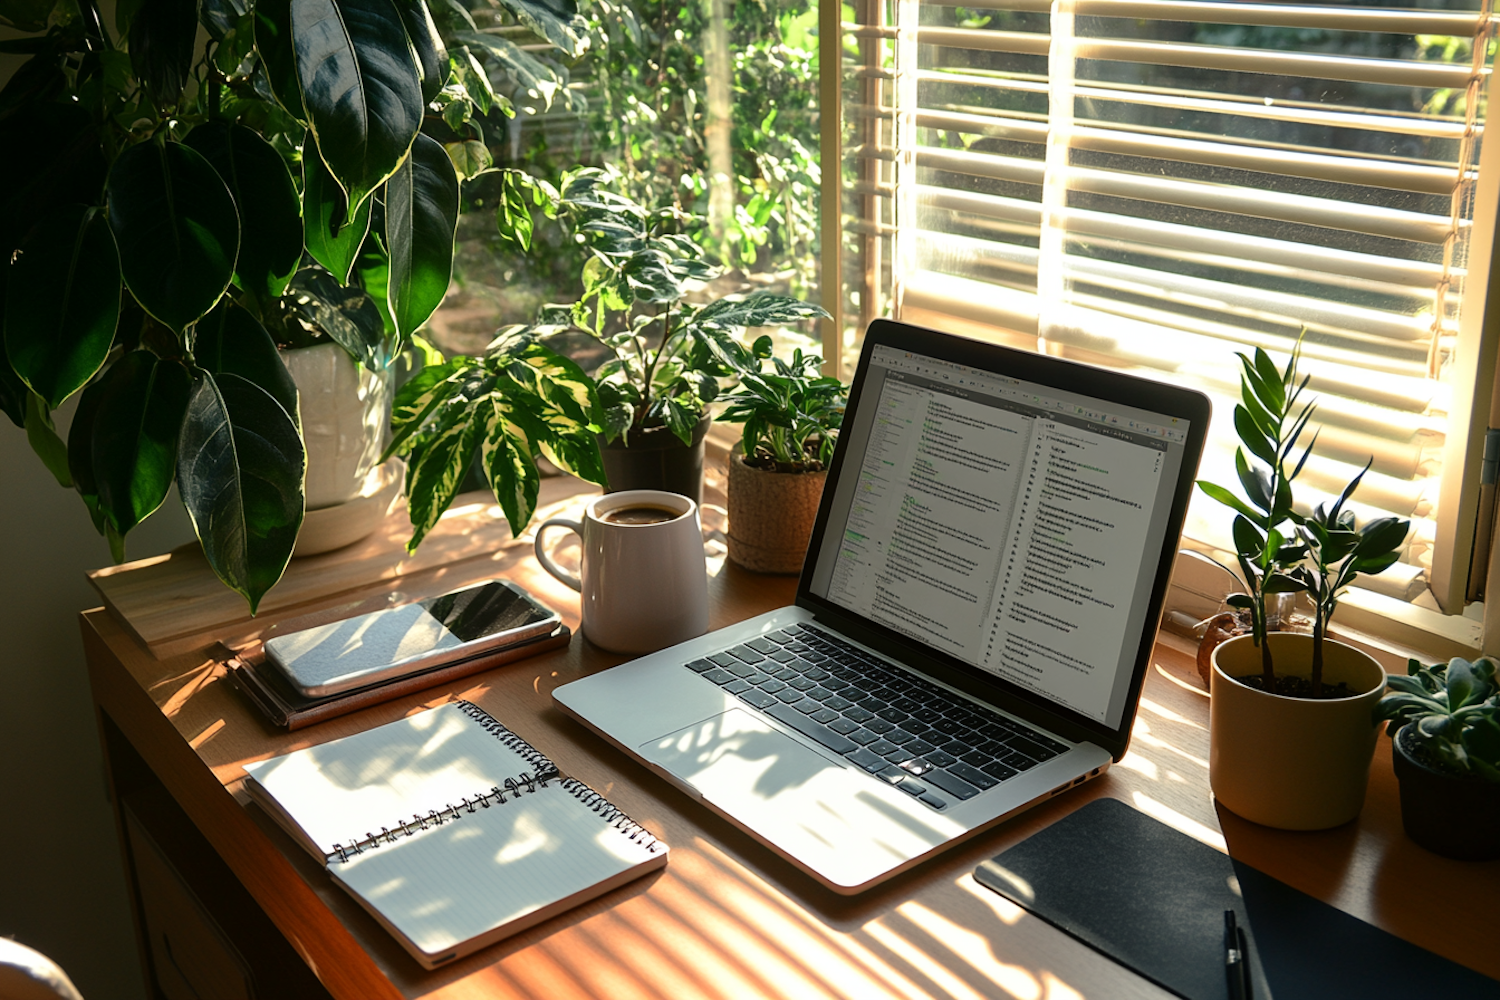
(973, 622)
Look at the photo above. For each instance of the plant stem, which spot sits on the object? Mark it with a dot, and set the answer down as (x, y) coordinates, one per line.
(651, 361)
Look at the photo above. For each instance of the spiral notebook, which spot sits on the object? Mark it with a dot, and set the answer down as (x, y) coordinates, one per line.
(452, 830)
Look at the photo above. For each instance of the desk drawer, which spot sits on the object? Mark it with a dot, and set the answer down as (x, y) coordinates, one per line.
(193, 957)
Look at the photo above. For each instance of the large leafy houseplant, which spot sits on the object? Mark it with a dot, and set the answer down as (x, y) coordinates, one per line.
(162, 202)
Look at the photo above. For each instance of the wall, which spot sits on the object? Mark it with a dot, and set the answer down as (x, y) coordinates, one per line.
(62, 883)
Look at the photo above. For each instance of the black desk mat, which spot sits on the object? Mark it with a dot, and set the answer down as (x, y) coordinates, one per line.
(1153, 899)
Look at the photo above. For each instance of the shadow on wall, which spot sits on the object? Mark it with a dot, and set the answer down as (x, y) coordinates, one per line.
(62, 885)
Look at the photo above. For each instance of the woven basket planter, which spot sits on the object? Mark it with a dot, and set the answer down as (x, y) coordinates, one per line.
(771, 516)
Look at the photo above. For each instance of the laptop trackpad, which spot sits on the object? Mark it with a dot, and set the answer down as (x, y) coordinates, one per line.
(830, 815)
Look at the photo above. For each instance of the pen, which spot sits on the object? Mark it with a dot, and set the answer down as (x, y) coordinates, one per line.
(1236, 964)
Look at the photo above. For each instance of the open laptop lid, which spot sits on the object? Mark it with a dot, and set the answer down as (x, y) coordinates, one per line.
(1007, 522)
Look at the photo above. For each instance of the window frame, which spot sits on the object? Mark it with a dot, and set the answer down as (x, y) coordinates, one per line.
(1458, 573)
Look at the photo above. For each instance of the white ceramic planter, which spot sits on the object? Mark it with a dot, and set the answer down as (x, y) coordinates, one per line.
(1292, 763)
(346, 416)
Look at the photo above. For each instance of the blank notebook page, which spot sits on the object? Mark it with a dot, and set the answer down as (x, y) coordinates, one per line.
(450, 883)
(342, 790)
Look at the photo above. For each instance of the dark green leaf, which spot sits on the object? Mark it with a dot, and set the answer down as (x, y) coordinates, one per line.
(270, 216)
(359, 86)
(52, 158)
(1276, 397)
(421, 212)
(532, 75)
(1383, 535)
(240, 470)
(436, 465)
(619, 410)
(42, 436)
(81, 453)
(231, 341)
(1260, 446)
(177, 229)
(681, 419)
(62, 303)
(1482, 741)
(558, 21)
(273, 42)
(1228, 499)
(1255, 482)
(345, 313)
(1409, 685)
(333, 239)
(1244, 601)
(161, 47)
(1248, 541)
(1278, 583)
(426, 44)
(133, 448)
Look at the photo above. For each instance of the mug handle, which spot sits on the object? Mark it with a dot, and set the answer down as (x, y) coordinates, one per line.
(547, 564)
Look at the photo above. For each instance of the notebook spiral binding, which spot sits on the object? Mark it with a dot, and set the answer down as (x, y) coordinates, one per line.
(521, 784)
(539, 762)
(611, 814)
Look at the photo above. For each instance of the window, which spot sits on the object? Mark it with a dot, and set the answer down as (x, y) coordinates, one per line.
(1157, 184)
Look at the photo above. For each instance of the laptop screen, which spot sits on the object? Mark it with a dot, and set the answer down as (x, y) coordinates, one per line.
(1014, 526)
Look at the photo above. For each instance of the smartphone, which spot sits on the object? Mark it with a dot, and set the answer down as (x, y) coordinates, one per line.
(384, 645)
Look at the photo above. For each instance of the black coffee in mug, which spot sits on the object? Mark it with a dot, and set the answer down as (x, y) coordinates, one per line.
(640, 514)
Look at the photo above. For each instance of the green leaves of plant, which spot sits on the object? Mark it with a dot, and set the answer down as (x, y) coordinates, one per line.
(360, 88)
(62, 303)
(270, 216)
(177, 229)
(558, 21)
(521, 401)
(161, 47)
(137, 411)
(332, 236)
(230, 341)
(421, 213)
(278, 59)
(240, 471)
(426, 44)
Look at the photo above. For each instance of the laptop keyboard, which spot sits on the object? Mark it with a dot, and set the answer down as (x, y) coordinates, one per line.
(897, 726)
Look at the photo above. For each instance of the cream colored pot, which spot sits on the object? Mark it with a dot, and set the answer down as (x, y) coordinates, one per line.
(1292, 763)
(346, 411)
(771, 516)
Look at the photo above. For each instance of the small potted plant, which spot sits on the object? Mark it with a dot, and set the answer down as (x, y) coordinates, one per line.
(1444, 723)
(672, 357)
(777, 471)
(1291, 734)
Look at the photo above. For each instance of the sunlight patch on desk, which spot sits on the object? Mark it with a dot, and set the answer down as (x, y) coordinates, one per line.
(1140, 765)
(1177, 821)
(1006, 911)
(975, 949)
(197, 741)
(746, 903)
(1166, 713)
(918, 958)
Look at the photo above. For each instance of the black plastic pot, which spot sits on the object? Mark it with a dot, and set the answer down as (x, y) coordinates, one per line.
(1456, 817)
(654, 458)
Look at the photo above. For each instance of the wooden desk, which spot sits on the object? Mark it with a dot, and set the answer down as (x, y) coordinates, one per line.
(726, 917)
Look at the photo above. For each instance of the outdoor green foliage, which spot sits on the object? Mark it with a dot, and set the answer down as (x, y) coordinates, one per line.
(671, 355)
(649, 114)
(791, 414)
(1321, 554)
(519, 401)
(162, 205)
(1455, 710)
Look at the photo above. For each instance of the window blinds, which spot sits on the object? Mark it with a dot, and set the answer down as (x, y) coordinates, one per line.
(1157, 184)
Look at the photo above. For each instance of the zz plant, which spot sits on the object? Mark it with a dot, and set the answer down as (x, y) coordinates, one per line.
(1281, 550)
(162, 203)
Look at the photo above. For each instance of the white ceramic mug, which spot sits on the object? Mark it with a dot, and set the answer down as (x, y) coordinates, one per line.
(644, 586)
